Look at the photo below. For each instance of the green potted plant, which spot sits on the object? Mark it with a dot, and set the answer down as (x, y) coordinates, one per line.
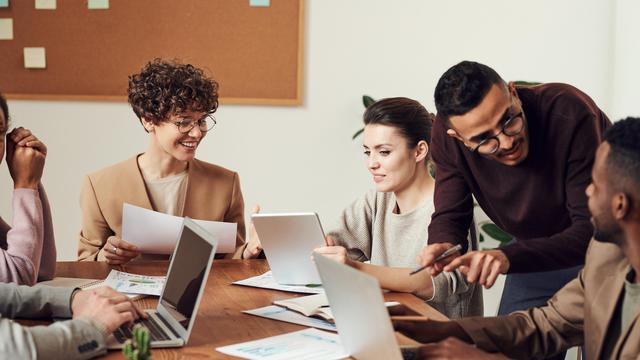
(139, 347)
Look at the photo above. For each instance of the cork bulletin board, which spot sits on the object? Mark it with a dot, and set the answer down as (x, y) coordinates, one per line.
(255, 53)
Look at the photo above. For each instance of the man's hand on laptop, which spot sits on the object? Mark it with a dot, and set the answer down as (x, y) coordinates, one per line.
(454, 348)
(117, 251)
(425, 330)
(254, 247)
(335, 252)
(106, 307)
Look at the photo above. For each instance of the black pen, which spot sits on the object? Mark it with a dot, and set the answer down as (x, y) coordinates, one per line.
(446, 254)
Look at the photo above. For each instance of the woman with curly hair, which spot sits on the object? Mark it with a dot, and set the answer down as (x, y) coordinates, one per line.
(175, 104)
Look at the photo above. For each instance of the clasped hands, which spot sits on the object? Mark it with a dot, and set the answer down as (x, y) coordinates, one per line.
(25, 158)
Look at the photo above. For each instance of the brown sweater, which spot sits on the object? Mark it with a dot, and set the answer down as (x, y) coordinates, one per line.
(541, 201)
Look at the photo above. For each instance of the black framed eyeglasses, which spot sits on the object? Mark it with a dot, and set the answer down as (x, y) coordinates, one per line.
(512, 127)
(186, 125)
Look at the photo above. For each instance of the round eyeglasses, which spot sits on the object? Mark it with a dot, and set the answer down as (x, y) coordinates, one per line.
(512, 127)
(186, 125)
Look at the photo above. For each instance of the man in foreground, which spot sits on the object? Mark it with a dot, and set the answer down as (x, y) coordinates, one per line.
(598, 309)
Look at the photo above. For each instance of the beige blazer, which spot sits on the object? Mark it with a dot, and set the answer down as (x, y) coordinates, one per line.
(213, 193)
(578, 314)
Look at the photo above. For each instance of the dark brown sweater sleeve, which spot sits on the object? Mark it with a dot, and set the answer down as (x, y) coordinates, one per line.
(452, 197)
(568, 247)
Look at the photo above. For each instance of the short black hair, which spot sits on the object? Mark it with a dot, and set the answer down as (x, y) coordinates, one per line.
(412, 120)
(623, 161)
(4, 107)
(462, 88)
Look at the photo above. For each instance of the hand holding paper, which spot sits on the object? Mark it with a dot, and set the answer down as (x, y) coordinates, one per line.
(157, 233)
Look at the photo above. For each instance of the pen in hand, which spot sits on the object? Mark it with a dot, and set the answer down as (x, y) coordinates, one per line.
(446, 254)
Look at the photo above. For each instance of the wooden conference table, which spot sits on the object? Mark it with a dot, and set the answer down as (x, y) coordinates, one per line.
(220, 320)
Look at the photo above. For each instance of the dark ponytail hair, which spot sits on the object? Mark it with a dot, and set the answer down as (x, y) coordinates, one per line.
(411, 119)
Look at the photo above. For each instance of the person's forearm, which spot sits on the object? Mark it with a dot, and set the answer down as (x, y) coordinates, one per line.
(561, 250)
(49, 254)
(21, 260)
(398, 279)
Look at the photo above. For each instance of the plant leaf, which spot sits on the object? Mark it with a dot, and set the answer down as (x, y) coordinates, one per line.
(367, 101)
(357, 134)
(496, 233)
(526, 83)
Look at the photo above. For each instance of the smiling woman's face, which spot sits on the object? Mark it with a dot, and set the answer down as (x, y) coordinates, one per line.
(169, 140)
(389, 159)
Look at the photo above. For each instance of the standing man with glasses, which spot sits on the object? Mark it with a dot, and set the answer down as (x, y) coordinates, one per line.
(175, 104)
(525, 154)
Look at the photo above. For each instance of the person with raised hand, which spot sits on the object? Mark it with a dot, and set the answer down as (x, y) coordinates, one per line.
(27, 247)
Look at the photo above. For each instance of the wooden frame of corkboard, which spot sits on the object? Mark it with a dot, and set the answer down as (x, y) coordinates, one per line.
(255, 53)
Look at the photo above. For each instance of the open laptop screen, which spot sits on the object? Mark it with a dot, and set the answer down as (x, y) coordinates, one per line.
(186, 277)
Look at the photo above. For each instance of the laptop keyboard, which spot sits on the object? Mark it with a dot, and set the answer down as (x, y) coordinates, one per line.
(155, 332)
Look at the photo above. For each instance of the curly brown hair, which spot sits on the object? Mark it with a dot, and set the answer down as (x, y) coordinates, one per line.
(165, 87)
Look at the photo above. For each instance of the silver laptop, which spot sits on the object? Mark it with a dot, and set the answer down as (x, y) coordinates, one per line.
(170, 324)
(288, 241)
(359, 311)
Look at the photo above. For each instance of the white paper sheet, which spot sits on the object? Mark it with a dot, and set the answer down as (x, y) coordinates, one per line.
(309, 344)
(283, 314)
(266, 281)
(157, 233)
(135, 284)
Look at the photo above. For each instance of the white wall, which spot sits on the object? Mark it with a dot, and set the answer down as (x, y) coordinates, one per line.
(302, 158)
(626, 68)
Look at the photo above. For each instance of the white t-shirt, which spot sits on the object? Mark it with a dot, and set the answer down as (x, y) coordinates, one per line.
(167, 194)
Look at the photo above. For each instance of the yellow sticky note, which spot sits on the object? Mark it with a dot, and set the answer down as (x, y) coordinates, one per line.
(6, 29)
(98, 4)
(46, 4)
(34, 58)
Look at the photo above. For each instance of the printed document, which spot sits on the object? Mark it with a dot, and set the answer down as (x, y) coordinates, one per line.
(157, 233)
(283, 314)
(309, 344)
(266, 281)
(135, 284)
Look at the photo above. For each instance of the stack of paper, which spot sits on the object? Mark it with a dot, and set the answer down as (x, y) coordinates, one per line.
(157, 233)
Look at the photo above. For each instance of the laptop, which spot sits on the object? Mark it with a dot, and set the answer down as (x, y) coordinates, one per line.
(288, 240)
(359, 311)
(170, 324)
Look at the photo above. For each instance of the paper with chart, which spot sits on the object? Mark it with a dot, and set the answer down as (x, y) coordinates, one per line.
(309, 344)
(157, 233)
(283, 314)
(135, 284)
(266, 281)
